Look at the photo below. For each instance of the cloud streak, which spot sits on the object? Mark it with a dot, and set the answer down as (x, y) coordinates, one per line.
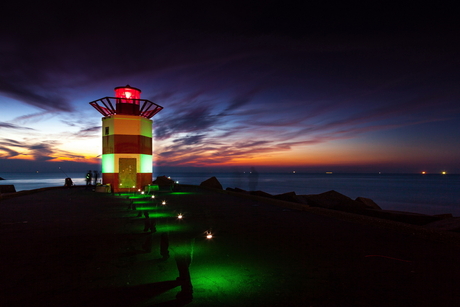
(37, 151)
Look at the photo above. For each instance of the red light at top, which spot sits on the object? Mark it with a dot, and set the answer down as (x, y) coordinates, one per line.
(127, 92)
(127, 101)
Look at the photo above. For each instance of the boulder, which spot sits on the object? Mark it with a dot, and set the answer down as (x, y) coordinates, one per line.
(289, 196)
(444, 215)
(7, 188)
(261, 193)
(369, 203)
(334, 200)
(450, 224)
(237, 190)
(164, 183)
(401, 216)
(303, 199)
(211, 183)
(2, 178)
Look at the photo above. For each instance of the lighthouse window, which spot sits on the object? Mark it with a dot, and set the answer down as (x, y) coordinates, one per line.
(106, 130)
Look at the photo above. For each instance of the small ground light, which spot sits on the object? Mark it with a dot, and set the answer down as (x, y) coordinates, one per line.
(208, 234)
(180, 216)
(153, 196)
(164, 202)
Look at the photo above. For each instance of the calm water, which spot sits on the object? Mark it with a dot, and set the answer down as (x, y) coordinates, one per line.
(428, 194)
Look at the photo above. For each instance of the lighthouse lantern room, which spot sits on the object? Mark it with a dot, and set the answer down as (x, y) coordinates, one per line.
(126, 139)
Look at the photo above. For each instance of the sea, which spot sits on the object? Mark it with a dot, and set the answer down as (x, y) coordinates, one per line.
(418, 193)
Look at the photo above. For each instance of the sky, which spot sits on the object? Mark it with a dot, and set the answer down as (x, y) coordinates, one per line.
(345, 87)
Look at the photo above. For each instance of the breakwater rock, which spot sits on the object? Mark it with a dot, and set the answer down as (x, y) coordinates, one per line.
(9, 188)
(334, 200)
(211, 183)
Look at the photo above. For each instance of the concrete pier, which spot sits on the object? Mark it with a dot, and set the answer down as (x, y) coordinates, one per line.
(76, 247)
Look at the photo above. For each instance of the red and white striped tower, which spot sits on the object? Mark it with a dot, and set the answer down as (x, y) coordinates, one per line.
(126, 139)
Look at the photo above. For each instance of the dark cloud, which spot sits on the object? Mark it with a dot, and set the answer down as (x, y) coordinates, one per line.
(34, 117)
(88, 132)
(6, 152)
(13, 126)
(188, 120)
(8, 148)
(26, 85)
(10, 142)
(189, 140)
(42, 151)
(210, 155)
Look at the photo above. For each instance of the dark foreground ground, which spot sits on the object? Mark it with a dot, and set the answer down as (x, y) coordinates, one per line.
(75, 247)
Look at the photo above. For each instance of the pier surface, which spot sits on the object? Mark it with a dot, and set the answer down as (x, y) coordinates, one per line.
(76, 247)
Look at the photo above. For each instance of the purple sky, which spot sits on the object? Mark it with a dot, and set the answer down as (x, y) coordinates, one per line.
(320, 87)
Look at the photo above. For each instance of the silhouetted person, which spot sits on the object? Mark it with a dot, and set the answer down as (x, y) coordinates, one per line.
(88, 178)
(68, 182)
(95, 177)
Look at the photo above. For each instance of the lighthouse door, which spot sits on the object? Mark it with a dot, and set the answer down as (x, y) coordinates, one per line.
(127, 172)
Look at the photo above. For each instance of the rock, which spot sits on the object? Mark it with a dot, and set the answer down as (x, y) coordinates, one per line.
(211, 183)
(303, 199)
(401, 216)
(7, 188)
(2, 178)
(289, 196)
(450, 224)
(444, 215)
(261, 193)
(164, 182)
(369, 203)
(334, 200)
(237, 190)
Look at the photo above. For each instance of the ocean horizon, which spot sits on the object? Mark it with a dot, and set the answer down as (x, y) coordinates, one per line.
(418, 193)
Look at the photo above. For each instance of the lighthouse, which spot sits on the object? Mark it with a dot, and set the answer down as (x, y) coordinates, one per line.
(126, 139)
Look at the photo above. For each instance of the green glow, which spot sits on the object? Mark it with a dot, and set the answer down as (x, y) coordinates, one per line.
(144, 202)
(146, 127)
(108, 163)
(182, 193)
(134, 196)
(146, 163)
(169, 227)
(147, 208)
(162, 214)
(227, 278)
